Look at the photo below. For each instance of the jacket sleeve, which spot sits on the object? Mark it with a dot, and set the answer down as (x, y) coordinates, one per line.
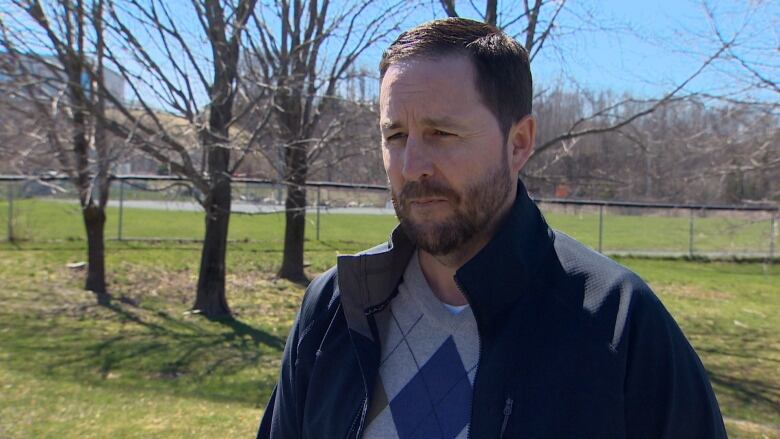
(667, 391)
(282, 417)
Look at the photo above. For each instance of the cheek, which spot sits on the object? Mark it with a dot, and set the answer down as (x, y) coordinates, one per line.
(467, 168)
(393, 161)
(386, 157)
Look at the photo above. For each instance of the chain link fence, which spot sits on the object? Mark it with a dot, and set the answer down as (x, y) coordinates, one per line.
(166, 208)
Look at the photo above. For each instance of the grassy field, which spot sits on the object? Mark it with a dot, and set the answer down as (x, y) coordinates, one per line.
(145, 367)
(43, 220)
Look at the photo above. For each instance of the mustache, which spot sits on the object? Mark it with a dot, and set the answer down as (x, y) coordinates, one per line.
(427, 189)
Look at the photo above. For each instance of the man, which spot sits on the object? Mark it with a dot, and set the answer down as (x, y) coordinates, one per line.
(476, 319)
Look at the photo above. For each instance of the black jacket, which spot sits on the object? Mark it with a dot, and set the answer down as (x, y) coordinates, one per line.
(572, 345)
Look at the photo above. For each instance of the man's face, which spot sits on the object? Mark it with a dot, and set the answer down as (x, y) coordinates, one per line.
(445, 156)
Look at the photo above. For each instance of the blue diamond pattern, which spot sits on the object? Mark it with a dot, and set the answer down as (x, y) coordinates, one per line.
(435, 402)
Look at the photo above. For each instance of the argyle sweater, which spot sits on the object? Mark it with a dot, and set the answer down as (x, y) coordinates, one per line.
(428, 363)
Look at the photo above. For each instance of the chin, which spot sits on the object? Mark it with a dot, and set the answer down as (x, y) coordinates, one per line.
(436, 238)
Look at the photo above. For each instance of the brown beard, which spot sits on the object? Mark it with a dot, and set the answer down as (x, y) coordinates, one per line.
(473, 211)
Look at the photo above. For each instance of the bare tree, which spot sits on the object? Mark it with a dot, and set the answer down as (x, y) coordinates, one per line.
(687, 150)
(667, 147)
(182, 67)
(752, 59)
(304, 50)
(751, 66)
(536, 24)
(49, 53)
(536, 20)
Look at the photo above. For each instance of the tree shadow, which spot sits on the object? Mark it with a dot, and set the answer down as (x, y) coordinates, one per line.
(749, 391)
(128, 315)
(241, 329)
(187, 356)
(741, 366)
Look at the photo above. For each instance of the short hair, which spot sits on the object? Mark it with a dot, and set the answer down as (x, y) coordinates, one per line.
(503, 71)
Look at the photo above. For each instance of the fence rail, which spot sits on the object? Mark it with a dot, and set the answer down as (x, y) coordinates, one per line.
(704, 222)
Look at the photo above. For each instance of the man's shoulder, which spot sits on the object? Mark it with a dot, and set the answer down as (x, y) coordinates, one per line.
(597, 272)
(320, 295)
(608, 296)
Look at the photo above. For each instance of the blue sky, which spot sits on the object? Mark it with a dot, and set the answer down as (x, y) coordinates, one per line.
(644, 47)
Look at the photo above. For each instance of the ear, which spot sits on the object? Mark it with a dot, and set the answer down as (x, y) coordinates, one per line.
(520, 142)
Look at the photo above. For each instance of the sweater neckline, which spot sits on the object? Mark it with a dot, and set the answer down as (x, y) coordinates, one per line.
(415, 284)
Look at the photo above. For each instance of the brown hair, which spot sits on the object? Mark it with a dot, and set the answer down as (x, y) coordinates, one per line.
(503, 72)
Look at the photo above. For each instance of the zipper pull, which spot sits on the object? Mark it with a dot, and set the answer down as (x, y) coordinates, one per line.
(507, 413)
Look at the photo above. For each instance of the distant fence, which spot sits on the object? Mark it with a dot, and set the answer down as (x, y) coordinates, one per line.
(612, 227)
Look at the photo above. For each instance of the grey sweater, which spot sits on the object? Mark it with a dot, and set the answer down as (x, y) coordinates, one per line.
(428, 363)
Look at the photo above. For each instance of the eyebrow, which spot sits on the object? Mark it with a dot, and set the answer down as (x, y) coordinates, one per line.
(389, 126)
(444, 121)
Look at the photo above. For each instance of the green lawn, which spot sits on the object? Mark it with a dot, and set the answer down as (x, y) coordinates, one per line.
(45, 220)
(144, 367)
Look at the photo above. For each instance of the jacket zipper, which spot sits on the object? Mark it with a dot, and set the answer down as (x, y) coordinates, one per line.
(507, 413)
(356, 421)
(476, 374)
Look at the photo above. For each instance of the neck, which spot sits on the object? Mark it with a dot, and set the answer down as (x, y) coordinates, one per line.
(439, 270)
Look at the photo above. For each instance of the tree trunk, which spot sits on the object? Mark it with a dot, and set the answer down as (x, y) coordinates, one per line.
(295, 216)
(491, 12)
(210, 299)
(95, 221)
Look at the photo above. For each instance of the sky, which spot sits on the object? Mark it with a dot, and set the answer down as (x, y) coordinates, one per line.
(644, 48)
(647, 47)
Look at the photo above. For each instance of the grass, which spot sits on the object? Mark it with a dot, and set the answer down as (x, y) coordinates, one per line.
(731, 315)
(144, 367)
(44, 220)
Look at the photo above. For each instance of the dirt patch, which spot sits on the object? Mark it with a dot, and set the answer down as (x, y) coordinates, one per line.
(263, 294)
(138, 282)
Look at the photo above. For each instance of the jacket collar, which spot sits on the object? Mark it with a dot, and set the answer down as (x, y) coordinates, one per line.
(496, 276)
(508, 267)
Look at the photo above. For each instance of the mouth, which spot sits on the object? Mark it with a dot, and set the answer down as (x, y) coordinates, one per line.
(424, 202)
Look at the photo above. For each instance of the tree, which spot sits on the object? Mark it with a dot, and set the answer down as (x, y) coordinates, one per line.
(185, 115)
(538, 21)
(291, 54)
(49, 53)
(751, 65)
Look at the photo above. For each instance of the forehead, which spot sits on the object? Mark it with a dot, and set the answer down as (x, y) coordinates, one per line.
(429, 87)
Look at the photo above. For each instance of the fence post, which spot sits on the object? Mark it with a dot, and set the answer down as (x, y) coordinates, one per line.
(772, 235)
(318, 213)
(690, 234)
(10, 211)
(601, 225)
(121, 208)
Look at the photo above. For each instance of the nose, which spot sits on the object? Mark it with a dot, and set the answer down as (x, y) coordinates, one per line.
(417, 160)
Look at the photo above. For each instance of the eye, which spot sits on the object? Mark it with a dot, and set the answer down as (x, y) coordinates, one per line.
(442, 133)
(396, 136)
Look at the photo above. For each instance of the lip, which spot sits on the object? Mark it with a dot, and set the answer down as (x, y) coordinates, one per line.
(427, 201)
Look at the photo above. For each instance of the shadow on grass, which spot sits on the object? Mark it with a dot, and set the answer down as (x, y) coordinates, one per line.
(753, 392)
(241, 329)
(742, 366)
(136, 347)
